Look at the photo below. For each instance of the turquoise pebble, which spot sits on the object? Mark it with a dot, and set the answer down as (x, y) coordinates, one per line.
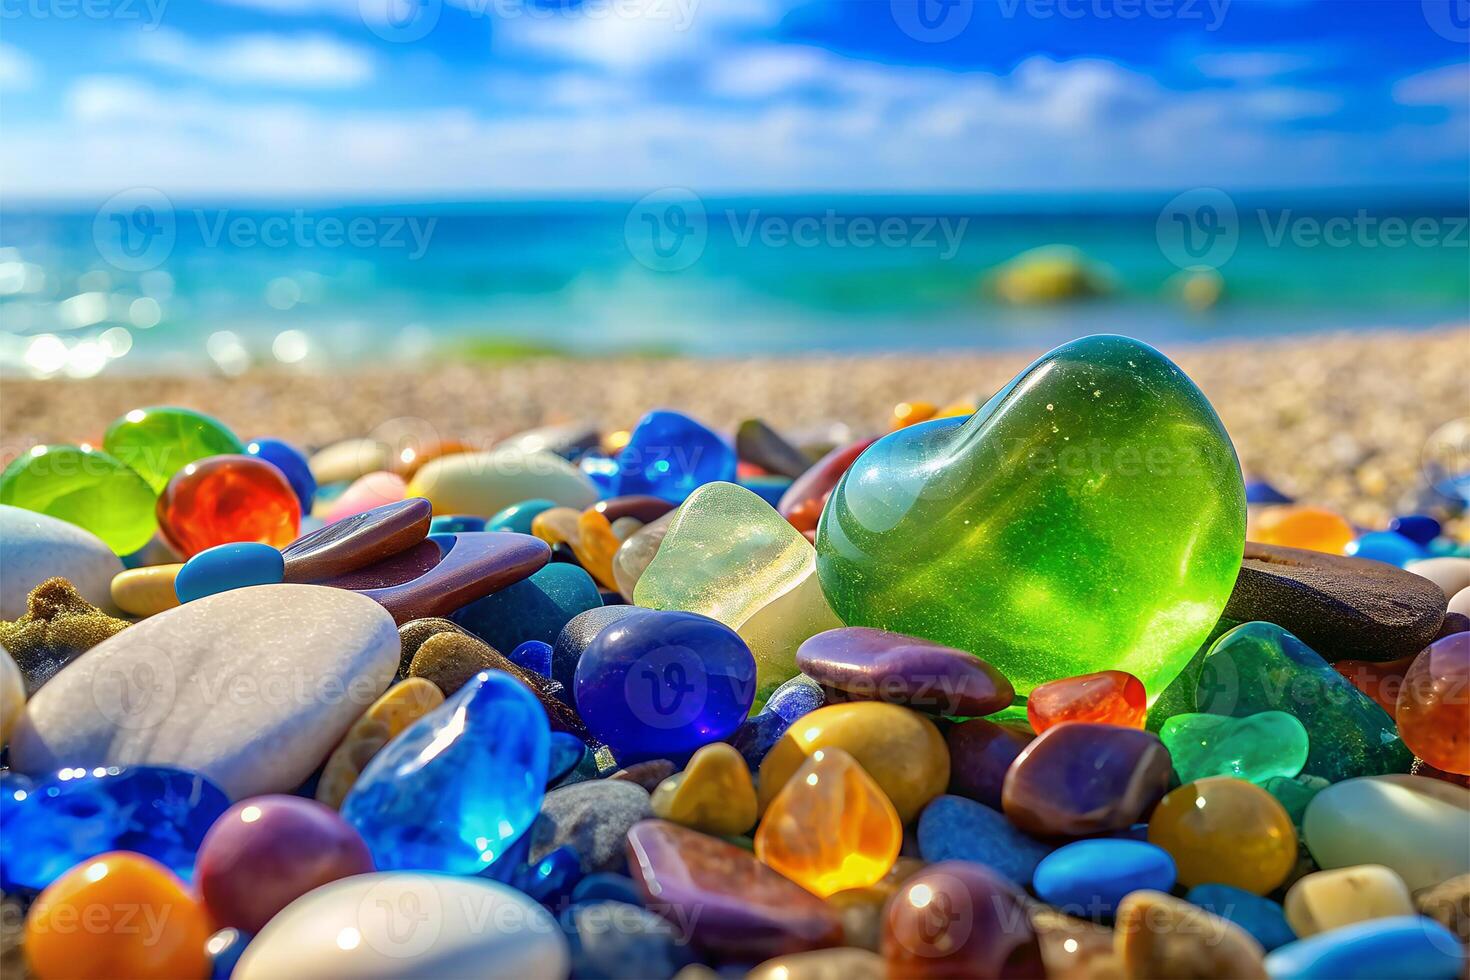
(952, 828)
(456, 524)
(1090, 877)
(518, 517)
(535, 608)
(1403, 947)
(1386, 546)
(229, 566)
(1262, 918)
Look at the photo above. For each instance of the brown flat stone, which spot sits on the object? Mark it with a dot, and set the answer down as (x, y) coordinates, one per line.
(358, 541)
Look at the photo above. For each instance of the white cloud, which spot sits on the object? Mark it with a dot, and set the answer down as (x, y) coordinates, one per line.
(1448, 86)
(296, 61)
(1252, 65)
(17, 69)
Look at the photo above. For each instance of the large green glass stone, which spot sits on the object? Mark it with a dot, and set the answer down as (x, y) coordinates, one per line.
(85, 487)
(158, 442)
(1090, 516)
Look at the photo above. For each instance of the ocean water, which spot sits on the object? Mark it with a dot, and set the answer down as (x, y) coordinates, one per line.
(143, 283)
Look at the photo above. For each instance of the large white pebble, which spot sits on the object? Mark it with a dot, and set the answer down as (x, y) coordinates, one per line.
(251, 688)
(35, 547)
(407, 924)
(1449, 573)
(1416, 826)
(483, 483)
(1461, 602)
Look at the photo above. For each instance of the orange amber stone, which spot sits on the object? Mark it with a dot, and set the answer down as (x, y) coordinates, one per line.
(831, 827)
(1381, 682)
(1313, 528)
(1433, 709)
(118, 915)
(912, 413)
(227, 498)
(1225, 831)
(1109, 697)
(556, 525)
(595, 545)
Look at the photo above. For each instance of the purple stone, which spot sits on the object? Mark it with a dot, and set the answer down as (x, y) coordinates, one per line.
(1081, 778)
(876, 665)
(980, 752)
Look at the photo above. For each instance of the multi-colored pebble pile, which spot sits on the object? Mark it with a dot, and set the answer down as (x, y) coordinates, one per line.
(1038, 689)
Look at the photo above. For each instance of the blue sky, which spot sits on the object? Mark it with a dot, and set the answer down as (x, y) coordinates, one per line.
(422, 99)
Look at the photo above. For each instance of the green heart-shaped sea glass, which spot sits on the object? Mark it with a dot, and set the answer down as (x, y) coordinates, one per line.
(1090, 516)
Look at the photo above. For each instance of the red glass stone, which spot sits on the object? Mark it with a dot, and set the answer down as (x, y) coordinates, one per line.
(1109, 697)
(227, 498)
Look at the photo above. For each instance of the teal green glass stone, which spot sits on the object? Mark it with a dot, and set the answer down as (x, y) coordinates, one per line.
(158, 442)
(84, 487)
(1261, 667)
(1090, 516)
(1255, 748)
(1294, 794)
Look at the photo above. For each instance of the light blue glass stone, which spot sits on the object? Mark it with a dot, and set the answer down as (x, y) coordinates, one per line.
(1386, 546)
(229, 566)
(1089, 878)
(1264, 919)
(1402, 947)
(518, 517)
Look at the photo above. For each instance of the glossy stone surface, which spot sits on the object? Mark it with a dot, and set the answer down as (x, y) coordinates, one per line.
(595, 546)
(830, 827)
(980, 753)
(1083, 778)
(1433, 711)
(34, 548)
(1158, 935)
(1109, 697)
(876, 665)
(803, 501)
(412, 803)
(483, 484)
(1200, 822)
(292, 463)
(1327, 900)
(1312, 528)
(455, 523)
(669, 455)
(158, 442)
(399, 924)
(636, 553)
(664, 683)
(759, 733)
(228, 566)
(203, 686)
(902, 751)
(577, 635)
(955, 919)
(519, 516)
(1260, 667)
(266, 852)
(1399, 948)
(535, 608)
(358, 541)
(400, 706)
(120, 915)
(1345, 826)
(1388, 547)
(84, 487)
(713, 795)
(1262, 918)
(367, 492)
(949, 529)
(756, 442)
(728, 555)
(1256, 748)
(57, 628)
(1089, 878)
(224, 499)
(12, 695)
(147, 591)
(734, 906)
(450, 660)
(54, 824)
(952, 828)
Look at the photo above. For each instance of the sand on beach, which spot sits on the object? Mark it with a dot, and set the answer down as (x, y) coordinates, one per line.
(1342, 420)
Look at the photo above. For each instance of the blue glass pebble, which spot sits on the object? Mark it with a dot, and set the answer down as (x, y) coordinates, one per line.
(533, 655)
(229, 566)
(292, 464)
(952, 828)
(518, 517)
(1261, 492)
(1090, 877)
(607, 886)
(1418, 528)
(659, 685)
(456, 524)
(460, 785)
(768, 488)
(564, 753)
(224, 949)
(670, 455)
(578, 634)
(616, 941)
(1403, 947)
(1385, 546)
(759, 733)
(1262, 918)
(53, 824)
(535, 608)
(602, 471)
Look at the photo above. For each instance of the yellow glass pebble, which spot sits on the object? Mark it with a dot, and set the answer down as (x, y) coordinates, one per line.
(912, 413)
(12, 695)
(147, 591)
(831, 827)
(595, 545)
(1293, 526)
(1327, 900)
(900, 749)
(555, 525)
(714, 794)
(400, 706)
(1226, 831)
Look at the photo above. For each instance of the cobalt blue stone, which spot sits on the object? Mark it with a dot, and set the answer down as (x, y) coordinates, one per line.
(456, 524)
(229, 566)
(550, 881)
(579, 633)
(50, 825)
(1385, 546)
(602, 471)
(607, 886)
(292, 463)
(457, 788)
(658, 685)
(1418, 528)
(533, 655)
(1262, 918)
(1090, 877)
(616, 941)
(670, 455)
(518, 517)
(1402, 947)
(224, 949)
(759, 733)
(768, 488)
(1261, 492)
(952, 828)
(535, 608)
(563, 755)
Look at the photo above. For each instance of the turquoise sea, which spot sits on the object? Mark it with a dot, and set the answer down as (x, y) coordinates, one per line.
(143, 282)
